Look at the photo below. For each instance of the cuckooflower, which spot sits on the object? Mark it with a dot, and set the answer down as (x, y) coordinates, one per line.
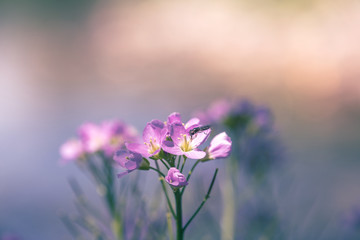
(127, 159)
(117, 133)
(109, 136)
(93, 137)
(175, 117)
(71, 150)
(153, 135)
(175, 178)
(220, 146)
(185, 144)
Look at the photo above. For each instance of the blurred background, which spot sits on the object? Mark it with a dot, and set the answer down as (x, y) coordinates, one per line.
(66, 62)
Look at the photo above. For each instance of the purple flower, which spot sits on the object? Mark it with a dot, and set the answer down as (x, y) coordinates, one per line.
(117, 133)
(127, 159)
(218, 110)
(175, 178)
(184, 144)
(93, 137)
(109, 136)
(263, 118)
(220, 146)
(71, 150)
(153, 135)
(175, 118)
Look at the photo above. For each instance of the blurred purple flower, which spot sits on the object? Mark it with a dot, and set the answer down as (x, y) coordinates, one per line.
(153, 135)
(127, 159)
(71, 150)
(117, 133)
(109, 136)
(218, 110)
(93, 137)
(184, 144)
(263, 118)
(175, 178)
(220, 146)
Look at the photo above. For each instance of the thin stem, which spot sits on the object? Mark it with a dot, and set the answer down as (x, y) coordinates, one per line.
(178, 164)
(179, 228)
(157, 171)
(164, 189)
(169, 224)
(164, 164)
(183, 164)
(189, 175)
(203, 202)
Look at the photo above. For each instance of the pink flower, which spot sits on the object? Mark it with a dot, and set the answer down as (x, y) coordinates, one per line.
(175, 117)
(109, 136)
(175, 178)
(71, 150)
(220, 146)
(127, 159)
(117, 133)
(153, 135)
(183, 143)
(93, 137)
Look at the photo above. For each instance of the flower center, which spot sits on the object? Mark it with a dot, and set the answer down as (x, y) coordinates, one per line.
(152, 145)
(185, 145)
(116, 141)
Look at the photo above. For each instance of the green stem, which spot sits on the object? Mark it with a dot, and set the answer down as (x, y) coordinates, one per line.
(179, 228)
(157, 171)
(178, 164)
(164, 164)
(169, 225)
(183, 164)
(161, 178)
(207, 196)
(189, 175)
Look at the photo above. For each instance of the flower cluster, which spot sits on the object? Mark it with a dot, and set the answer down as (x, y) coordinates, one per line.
(108, 137)
(237, 115)
(172, 138)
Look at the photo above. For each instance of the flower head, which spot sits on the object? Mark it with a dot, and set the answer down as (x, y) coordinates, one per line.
(220, 146)
(108, 136)
(92, 137)
(175, 118)
(153, 135)
(127, 159)
(117, 133)
(185, 144)
(71, 150)
(175, 178)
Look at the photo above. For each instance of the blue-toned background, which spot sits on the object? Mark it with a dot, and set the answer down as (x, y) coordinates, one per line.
(64, 64)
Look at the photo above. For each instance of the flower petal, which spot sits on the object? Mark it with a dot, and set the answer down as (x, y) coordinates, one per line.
(200, 138)
(192, 123)
(177, 133)
(174, 118)
(170, 147)
(195, 154)
(138, 148)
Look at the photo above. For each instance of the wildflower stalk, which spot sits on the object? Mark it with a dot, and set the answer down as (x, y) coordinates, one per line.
(183, 164)
(207, 196)
(179, 227)
(161, 178)
(178, 164)
(169, 225)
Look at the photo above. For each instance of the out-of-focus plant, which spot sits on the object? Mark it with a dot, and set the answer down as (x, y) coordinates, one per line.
(93, 151)
(168, 145)
(256, 150)
(165, 146)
